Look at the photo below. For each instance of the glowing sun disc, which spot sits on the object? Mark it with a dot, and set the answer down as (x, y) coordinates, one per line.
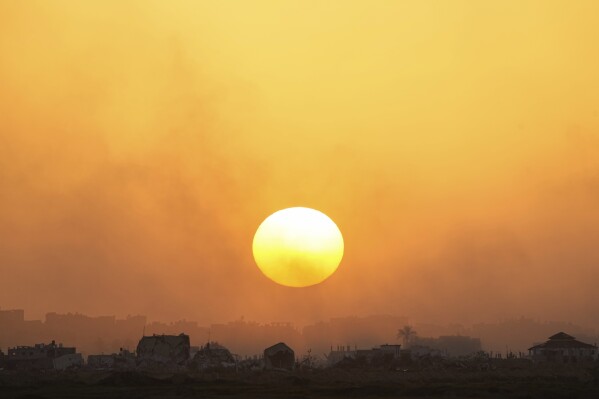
(298, 247)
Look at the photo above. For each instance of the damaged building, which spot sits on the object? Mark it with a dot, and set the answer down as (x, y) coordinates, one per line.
(279, 356)
(43, 357)
(163, 350)
(68, 362)
(101, 362)
(213, 355)
(122, 360)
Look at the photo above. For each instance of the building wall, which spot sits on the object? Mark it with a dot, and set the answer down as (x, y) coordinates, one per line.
(67, 362)
(101, 361)
(279, 356)
(564, 354)
(336, 356)
(166, 349)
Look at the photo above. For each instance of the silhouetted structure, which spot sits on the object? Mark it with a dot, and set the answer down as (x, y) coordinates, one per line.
(420, 352)
(89, 334)
(15, 330)
(563, 348)
(517, 334)
(43, 356)
(101, 362)
(340, 353)
(279, 356)
(11, 317)
(451, 345)
(67, 362)
(163, 350)
(380, 354)
(122, 360)
(213, 355)
(249, 337)
(366, 331)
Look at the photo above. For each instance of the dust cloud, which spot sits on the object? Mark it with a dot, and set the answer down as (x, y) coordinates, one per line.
(456, 146)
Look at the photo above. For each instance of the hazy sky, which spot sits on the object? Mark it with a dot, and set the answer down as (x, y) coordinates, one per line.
(454, 143)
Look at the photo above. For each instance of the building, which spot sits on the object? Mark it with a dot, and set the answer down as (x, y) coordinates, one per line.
(11, 317)
(68, 362)
(101, 362)
(419, 352)
(163, 350)
(451, 345)
(213, 355)
(563, 348)
(279, 356)
(380, 354)
(393, 351)
(42, 356)
(2, 359)
(122, 360)
(340, 353)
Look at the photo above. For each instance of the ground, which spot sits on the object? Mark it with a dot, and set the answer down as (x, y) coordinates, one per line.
(545, 383)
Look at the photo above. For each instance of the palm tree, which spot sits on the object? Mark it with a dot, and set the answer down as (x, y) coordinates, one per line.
(407, 333)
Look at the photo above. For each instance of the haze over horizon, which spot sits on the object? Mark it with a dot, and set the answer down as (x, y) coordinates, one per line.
(456, 146)
(431, 327)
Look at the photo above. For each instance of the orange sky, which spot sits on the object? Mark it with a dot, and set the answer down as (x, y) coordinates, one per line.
(455, 144)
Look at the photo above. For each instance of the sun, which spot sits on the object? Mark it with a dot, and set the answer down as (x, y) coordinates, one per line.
(298, 247)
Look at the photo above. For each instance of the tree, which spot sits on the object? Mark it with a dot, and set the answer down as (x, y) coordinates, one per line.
(407, 333)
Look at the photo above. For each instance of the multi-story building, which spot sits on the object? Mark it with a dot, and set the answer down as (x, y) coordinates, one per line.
(42, 356)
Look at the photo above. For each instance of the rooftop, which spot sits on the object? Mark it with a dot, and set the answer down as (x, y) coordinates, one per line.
(562, 340)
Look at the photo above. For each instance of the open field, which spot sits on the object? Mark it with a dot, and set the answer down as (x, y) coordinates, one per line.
(328, 383)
